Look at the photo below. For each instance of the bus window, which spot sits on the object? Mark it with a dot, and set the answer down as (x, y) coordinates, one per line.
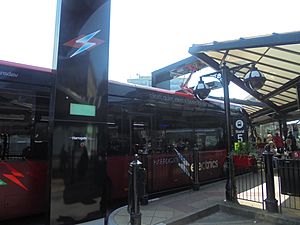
(140, 134)
(24, 124)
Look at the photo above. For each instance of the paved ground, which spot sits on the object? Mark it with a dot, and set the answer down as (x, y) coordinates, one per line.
(175, 205)
(170, 209)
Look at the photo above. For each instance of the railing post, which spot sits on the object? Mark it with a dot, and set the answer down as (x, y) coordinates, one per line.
(196, 169)
(271, 202)
(133, 196)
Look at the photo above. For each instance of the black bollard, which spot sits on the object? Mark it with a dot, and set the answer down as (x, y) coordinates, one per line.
(196, 184)
(271, 202)
(133, 197)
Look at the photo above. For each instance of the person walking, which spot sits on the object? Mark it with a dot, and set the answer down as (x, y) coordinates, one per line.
(293, 141)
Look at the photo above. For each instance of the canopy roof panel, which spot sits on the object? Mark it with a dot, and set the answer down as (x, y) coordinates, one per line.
(277, 56)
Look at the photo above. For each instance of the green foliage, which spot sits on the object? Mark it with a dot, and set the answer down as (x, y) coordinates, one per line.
(245, 148)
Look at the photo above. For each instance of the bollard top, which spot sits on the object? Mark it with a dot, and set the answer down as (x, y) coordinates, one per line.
(136, 160)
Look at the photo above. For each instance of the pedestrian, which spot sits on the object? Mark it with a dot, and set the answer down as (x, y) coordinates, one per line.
(278, 141)
(293, 141)
(269, 141)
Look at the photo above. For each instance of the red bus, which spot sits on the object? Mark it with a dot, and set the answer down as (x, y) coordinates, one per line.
(163, 127)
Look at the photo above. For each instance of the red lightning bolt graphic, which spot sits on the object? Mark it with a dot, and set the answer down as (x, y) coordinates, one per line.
(13, 176)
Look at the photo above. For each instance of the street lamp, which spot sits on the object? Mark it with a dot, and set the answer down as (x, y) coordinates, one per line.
(202, 90)
(254, 80)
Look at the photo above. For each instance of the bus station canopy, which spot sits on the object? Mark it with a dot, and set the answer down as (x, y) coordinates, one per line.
(277, 56)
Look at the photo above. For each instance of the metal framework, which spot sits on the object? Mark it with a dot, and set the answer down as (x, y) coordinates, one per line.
(277, 56)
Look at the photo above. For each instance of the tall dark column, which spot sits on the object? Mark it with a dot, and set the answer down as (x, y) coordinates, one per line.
(280, 128)
(230, 184)
(79, 185)
(284, 127)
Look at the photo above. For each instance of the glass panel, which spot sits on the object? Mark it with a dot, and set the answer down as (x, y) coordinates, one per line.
(239, 74)
(292, 47)
(284, 55)
(267, 69)
(262, 91)
(269, 89)
(277, 101)
(232, 58)
(248, 109)
(270, 83)
(289, 95)
(242, 54)
(260, 50)
(283, 98)
(281, 64)
(271, 76)
(293, 90)
(256, 107)
(214, 54)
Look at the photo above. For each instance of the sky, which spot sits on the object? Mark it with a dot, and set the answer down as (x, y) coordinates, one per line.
(146, 35)
(24, 38)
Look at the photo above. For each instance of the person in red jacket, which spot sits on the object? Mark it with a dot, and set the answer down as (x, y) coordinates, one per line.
(278, 141)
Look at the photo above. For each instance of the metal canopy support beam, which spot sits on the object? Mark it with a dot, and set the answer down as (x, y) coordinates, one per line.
(212, 63)
(265, 41)
(262, 112)
(288, 85)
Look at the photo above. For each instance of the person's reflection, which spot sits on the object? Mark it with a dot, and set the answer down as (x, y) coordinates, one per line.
(63, 159)
(82, 164)
(102, 180)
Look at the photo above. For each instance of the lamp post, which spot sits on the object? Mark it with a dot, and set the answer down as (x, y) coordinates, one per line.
(254, 80)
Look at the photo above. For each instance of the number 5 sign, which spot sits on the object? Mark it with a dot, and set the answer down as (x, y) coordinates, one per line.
(240, 130)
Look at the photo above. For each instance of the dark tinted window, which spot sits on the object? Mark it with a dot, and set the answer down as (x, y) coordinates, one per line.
(139, 122)
(24, 123)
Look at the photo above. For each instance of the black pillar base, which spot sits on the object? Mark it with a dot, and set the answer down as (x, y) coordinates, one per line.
(136, 219)
(196, 187)
(230, 188)
(272, 205)
(230, 193)
(144, 200)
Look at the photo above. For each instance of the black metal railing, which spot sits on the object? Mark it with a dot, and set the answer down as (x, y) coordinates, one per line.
(250, 179)
(289, 183)
(272, 182)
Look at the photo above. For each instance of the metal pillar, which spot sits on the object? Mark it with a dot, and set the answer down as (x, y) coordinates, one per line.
(285, 128)
(280, 128)
(231, 194)
(133, 197)
(196, 184)
(271, 202)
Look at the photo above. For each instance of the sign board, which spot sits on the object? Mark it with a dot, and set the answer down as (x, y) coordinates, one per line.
(240, 130)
